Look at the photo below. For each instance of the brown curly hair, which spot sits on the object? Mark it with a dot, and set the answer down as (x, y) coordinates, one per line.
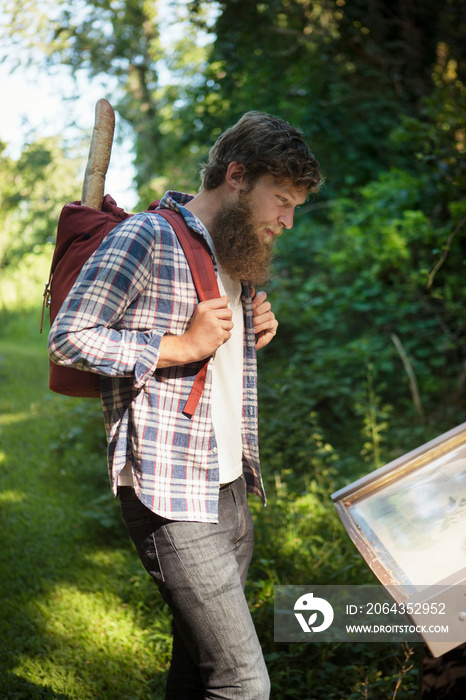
(265, 145)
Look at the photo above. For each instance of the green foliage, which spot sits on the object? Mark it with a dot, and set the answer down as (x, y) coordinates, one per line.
(369, 361)
(34, 189)
(123, 43)
(88, 622)
(345, 290)
(329, 671)
(309, 545)
(20, 284)
(74, 622)
(436, 137)
(375, 423)
(343, 74)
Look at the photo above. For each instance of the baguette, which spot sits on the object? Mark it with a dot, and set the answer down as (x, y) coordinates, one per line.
(99, 155)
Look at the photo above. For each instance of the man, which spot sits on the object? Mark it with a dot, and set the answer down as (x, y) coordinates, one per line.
(134, 318)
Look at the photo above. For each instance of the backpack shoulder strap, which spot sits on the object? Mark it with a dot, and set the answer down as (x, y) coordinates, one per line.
(198, 257)
(205, 280)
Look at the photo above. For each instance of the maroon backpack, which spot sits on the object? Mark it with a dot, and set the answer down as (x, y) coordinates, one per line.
(81, 230)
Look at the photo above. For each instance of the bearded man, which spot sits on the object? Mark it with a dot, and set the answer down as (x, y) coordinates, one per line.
(133, 317)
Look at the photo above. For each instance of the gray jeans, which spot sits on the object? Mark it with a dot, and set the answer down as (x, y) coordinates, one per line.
(200, 570)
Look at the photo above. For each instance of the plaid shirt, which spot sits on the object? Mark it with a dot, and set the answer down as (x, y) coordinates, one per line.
(136, 288)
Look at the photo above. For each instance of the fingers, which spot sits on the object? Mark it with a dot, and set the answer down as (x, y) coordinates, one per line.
(218, 308)
(263, 316)
(263, 339)
(209, 328)
(265, 323)
(217, 303)
(257, 298)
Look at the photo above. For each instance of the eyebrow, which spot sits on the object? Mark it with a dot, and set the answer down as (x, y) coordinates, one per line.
(291, 192)
(297, 200)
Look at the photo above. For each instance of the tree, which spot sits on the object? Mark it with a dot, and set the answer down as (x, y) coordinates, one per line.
(34, 189)
(121, 43)
(343, 71)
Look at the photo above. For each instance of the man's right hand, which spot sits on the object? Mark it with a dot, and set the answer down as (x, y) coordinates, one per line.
(209, 328)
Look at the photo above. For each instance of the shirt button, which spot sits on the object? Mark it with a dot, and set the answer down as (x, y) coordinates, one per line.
(215, 450)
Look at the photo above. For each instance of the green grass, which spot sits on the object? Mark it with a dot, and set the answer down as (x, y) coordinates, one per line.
(73, 622)
(79, 617)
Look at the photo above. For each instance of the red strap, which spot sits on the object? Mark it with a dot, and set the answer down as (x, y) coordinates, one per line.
(205, 281)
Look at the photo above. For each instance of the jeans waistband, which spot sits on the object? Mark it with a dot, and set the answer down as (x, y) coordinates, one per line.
(229, 483)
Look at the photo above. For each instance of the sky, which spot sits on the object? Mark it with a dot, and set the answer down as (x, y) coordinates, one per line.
(40, 100)
(33, 100)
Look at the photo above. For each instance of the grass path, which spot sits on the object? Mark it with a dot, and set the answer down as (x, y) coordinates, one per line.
(72, 624)
(79, 618)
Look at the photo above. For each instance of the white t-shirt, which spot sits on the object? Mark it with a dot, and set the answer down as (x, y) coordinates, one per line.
(227, 387)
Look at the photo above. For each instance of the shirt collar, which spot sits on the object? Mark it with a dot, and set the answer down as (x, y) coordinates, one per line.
(176, 201)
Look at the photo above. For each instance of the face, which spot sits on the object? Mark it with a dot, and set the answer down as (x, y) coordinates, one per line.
(273, 203)
(245, 228)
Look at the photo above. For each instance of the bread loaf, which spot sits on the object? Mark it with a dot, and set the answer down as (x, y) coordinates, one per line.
(99, 155)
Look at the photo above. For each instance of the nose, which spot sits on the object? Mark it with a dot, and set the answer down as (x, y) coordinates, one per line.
(286, 220)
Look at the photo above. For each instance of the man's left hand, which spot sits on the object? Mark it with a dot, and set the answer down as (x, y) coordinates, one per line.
(265, 323)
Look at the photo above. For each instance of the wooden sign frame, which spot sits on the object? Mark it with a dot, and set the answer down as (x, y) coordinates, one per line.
(408, 519)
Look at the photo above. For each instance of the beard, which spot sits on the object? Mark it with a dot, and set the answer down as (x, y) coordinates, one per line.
(239, 249)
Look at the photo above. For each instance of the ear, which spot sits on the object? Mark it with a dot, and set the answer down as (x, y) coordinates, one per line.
(235, 176)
